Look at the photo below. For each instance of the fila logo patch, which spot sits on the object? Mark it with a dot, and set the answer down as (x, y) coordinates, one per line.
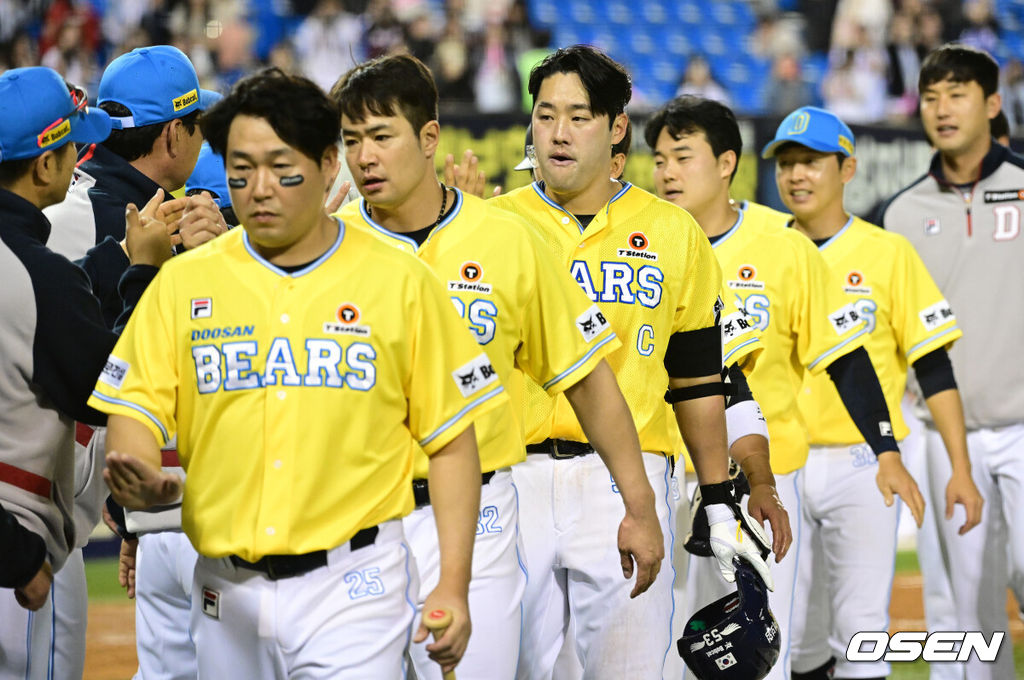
(202, 308)
(211, 603)
(475, 376)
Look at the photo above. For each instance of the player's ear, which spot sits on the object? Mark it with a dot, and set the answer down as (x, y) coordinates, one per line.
(430, 135)
(619, 125)
(44, 169)
(848, 169)
(329, 165)
(993, 105)
(727, 163)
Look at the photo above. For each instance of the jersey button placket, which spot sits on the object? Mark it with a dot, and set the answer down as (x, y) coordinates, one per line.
(279, 420)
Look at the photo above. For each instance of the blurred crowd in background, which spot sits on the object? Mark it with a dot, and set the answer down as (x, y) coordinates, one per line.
(859, 58)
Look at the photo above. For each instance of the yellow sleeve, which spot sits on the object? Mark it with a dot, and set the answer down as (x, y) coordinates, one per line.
(921, 317)
(827, 326)
(140, 378)
(698, 307)
(564, 334)
(741, 340)
(452, 381)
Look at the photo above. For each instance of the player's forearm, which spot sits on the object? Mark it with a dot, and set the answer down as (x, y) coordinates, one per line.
(751, 452)
(127, 435)
(948, 413)
(702, 424)
(454, 478)
(606, 421)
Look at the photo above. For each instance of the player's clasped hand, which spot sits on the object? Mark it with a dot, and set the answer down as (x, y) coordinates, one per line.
(641, 542)
(137, 486)
(447, 651)
(201, 221)
(147, 238)
(893, 478)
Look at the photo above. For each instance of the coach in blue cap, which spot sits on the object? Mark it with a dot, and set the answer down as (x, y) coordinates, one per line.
(54, 343)
(814, 128)
(154, 100)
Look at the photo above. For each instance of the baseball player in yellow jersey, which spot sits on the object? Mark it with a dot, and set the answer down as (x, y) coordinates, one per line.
(780, 280)
(526, 312)
(652, 274)
(851, 534)
(301, 364)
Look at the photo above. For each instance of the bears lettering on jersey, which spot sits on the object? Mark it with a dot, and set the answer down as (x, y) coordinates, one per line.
(325, 363)
(621, 282)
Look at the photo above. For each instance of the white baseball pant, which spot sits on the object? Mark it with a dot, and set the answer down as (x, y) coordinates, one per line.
(984, 562)
(349, 620)
(164, 568)
(847, 560)
(570, 512)
(496, 588)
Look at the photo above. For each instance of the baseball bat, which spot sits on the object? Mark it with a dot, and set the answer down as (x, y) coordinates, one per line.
(437, 622)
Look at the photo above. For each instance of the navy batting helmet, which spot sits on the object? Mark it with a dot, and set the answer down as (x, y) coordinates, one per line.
(735, 637)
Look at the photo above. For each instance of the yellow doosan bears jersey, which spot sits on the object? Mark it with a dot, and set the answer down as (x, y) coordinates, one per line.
(521, 306)
(780, 279)
(299, 400)
(650, 269)
(887, 286)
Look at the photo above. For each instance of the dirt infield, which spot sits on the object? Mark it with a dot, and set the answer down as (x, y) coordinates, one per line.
(110, 641)
(110, 645)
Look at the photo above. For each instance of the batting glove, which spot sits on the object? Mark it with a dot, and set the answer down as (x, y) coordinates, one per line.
(730, 538)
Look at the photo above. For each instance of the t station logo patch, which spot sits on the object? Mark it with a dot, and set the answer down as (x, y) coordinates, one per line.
(638, 248)
(855, 284)
(746, 278)
(347, 321)
(470, 275)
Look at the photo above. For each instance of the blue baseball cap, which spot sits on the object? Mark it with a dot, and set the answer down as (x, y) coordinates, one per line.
(156, 84)
(38, 113)
(814, 128)
(209, 175)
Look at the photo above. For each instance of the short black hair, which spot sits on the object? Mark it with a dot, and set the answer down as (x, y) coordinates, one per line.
(13, 170)
(606, 82)
(961, 64)
(136, 142)
(388, 86)
(295, 107)
(687, 114)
